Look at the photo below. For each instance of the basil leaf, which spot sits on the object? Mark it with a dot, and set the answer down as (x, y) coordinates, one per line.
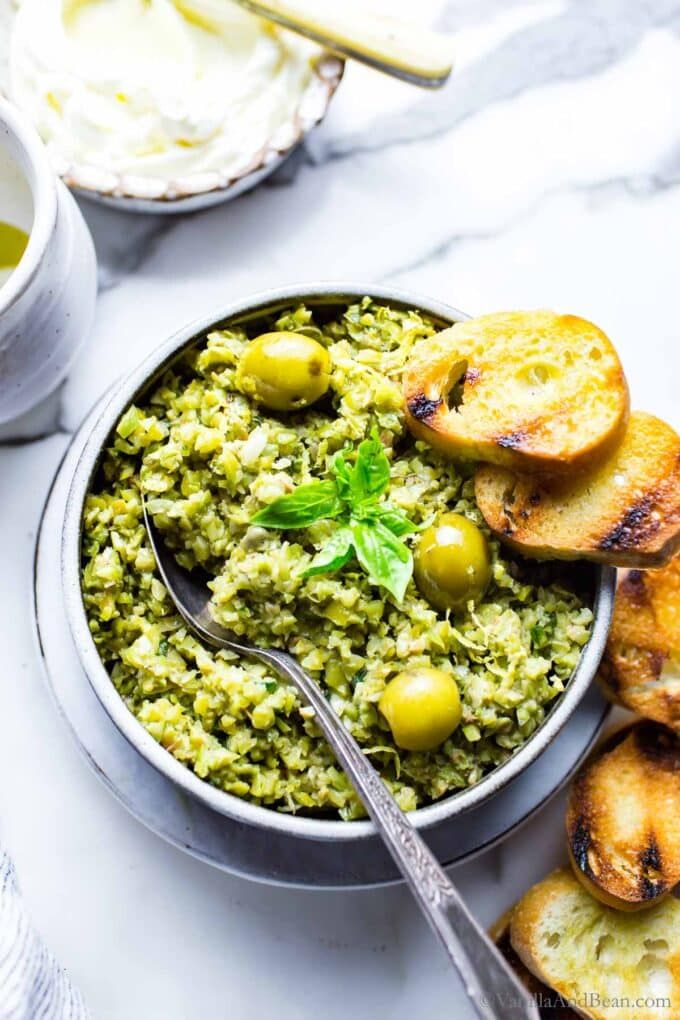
(337, 551)
(304, 506)
(343, 476)
(360, 484)
(371, 474)
(395, 519)
(386, 560)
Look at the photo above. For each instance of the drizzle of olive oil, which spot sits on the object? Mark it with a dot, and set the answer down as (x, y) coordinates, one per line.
(13, 243)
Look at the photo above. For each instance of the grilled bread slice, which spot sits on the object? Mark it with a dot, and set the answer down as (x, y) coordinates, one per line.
(623, 817)
(550, 1005)
(641, 665)
(532, 391)
(625, 512)
(611, 965)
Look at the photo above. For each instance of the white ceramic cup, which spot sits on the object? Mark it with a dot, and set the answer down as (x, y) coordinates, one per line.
(47, 304)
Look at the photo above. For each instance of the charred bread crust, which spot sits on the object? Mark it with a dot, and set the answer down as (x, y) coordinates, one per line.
(532, 391)
(623, 817)
(641, 665)
(625, 512)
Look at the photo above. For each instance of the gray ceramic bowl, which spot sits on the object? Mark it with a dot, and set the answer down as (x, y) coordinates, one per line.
(328, 296)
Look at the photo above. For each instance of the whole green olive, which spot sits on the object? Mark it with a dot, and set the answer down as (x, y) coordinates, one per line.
(452, 562)
(422, 706)
(284, 371)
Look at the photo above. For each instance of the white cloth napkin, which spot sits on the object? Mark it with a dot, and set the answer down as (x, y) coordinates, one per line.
(32, 984)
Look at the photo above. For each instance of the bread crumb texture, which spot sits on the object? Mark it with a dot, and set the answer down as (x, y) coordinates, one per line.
(613, 965)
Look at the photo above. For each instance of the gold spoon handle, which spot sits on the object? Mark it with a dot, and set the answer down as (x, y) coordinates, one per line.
(414, 54)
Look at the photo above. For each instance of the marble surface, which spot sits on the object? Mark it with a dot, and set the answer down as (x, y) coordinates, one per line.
(547, 173)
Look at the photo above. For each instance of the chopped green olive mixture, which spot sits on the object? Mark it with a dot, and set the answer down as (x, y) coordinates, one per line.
(440, 676)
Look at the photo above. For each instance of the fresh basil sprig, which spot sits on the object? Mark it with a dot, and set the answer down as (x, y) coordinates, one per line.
(370, 529)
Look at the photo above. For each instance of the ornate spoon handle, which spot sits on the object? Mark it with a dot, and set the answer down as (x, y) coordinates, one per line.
(491, 986)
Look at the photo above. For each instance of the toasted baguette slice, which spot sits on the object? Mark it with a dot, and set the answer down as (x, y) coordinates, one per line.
(610, 964)
(623, 817)
(625, 512)
(550, 1005)
(533, 391)
(641, 665)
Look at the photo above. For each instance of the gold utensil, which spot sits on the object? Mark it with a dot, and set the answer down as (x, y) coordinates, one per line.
(403, 50)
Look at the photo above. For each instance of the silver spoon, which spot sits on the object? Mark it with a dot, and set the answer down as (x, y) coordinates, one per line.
(491, 986)
(406, 51)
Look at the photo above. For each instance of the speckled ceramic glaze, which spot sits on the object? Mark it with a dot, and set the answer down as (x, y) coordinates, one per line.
(331, 297)
(47, 305)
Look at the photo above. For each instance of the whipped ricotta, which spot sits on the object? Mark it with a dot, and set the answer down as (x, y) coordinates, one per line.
(155, 88)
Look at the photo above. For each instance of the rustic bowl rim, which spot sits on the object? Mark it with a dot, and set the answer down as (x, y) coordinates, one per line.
(181, 194)
(123, 394)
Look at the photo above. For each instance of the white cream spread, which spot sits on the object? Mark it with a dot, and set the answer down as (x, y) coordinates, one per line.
(155, 88)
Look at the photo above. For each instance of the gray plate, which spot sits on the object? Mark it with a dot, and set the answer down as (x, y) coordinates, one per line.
(249, 851)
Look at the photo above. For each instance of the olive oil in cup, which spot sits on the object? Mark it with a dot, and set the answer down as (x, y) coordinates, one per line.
(13, 243)
(16, 215)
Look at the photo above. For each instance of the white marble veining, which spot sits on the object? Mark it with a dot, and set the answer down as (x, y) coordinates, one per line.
(547, 173)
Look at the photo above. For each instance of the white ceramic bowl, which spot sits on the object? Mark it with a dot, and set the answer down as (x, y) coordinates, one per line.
(130, 389)
(47, 304)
